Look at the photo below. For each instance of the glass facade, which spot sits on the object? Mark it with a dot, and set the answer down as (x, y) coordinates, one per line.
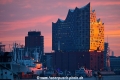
(80, 31)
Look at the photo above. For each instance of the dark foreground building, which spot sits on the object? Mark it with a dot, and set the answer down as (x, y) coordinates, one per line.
(72, 61)
(34, 44)
(115, 63)
(78, 40)
(34, 40)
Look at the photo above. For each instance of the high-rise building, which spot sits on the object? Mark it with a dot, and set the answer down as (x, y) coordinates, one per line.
(105, 54)
(80, 31)
(34, 40)
(78, 40)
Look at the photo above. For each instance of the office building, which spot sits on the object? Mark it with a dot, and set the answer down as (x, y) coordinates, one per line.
(34, 40)
(34, 44)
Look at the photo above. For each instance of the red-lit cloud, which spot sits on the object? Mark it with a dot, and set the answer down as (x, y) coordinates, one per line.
(5, 1)
(46, 20)
(27, 6)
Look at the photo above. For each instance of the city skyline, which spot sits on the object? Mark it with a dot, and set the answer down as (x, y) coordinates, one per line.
(19, 17)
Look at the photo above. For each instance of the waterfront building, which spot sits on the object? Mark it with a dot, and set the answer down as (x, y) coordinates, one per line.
(48, 60)
(115, 63)
(34, 44)
(80, 31)
(72, 61)
(78, 40)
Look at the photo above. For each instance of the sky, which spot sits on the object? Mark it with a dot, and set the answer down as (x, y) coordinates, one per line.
(17, 17)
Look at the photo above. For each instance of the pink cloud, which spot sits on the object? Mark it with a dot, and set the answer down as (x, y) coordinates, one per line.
(21, 38)
(8, 26)
(105, 3)
(67, 4)
(27, 6)
(48, 40)
(46, 20)
(5, 1)
(11, 15)
(79, 4)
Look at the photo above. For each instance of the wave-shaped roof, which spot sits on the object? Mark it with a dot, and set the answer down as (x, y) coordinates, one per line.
(72, 11)
(61, 20)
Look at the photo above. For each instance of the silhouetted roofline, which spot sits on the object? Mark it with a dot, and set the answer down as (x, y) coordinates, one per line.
(72, 11)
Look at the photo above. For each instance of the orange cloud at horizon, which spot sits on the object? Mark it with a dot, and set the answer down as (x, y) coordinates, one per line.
(114, 33)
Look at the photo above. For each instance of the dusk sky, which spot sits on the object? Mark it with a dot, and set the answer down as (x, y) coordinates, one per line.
(17, 17)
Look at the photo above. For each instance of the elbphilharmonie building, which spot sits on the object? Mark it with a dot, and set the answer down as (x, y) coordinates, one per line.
(80, 31)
